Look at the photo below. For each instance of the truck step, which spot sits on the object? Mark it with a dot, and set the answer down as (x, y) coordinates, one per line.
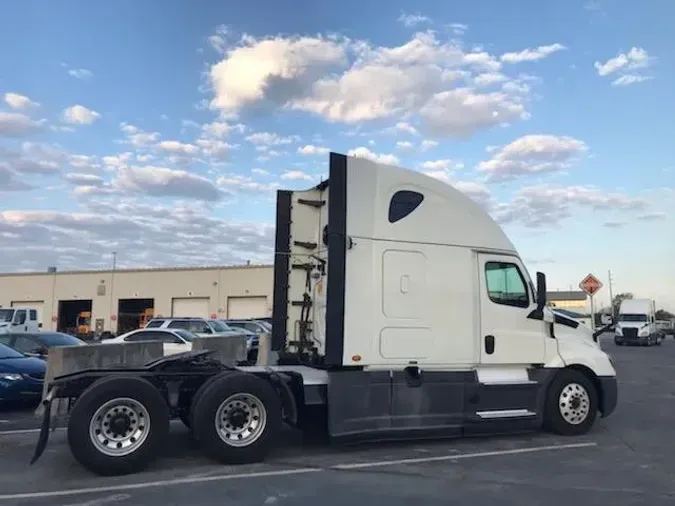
(505, 413)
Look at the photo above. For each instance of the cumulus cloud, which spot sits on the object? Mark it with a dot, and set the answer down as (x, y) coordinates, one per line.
(296, 175)
(20, 102)
(80, 115)
(235, 183)
(444, 164)
(284, 68)
(351, 81)
(165, 182)
(630, 66)
(82, 179)
(543, 206)
(363, 152)
(137, 137)
(410, 20)
(530, 54)
(14, 124)
(532, 154)
(81, 73)
(404, 145)
(144, 235)
(428, 144)
(269, 139)
(310, 149)
(177, 148)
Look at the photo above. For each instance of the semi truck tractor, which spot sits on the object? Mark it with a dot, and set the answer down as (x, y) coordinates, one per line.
(637, 323)
(401, 311)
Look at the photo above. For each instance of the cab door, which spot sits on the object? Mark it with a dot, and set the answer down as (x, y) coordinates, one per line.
(507, 335)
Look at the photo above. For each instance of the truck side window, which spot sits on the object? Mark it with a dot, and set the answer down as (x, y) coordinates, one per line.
(20, 317)
(403, 203)
(33, 315)
(505, 284)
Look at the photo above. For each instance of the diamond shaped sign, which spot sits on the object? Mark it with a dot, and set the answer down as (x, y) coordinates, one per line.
(591, 285)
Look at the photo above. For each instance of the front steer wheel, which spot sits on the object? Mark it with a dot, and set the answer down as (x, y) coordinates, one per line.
(571, 404)
(117, 425)
(237, 418)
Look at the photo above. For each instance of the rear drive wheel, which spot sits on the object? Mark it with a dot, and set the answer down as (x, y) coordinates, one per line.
(571, 404)
(237, 418)
(117, 425)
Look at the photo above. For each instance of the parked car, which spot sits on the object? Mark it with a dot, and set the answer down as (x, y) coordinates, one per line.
(202, 327)
(257, 326)
(38, 344)
(21, 376)
(175, 340)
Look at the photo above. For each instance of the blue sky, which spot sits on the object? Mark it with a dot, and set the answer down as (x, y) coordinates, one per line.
(161, 131)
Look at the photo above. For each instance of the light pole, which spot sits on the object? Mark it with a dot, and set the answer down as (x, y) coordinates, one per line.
(611, 297)
(112, 286)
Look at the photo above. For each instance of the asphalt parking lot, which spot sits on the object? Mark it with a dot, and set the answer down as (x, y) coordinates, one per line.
(627, 459)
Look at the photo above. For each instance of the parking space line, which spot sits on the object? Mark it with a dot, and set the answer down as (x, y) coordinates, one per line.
(282, 472)
(459, 456)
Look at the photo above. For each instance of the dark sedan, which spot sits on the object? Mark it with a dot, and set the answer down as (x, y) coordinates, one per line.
(38, 344)
(21, 376)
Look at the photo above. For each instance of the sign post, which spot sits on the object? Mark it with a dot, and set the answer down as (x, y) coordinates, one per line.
(591, 285)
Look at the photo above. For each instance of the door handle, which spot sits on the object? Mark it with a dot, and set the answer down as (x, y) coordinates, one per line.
(489, 344)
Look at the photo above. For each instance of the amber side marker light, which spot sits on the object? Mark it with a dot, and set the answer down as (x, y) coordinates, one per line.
(356, 358)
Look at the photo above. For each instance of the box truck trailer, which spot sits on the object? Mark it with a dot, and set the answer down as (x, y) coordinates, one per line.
(401, 310)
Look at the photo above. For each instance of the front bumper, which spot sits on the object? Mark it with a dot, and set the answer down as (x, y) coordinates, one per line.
(641, 340)
(609, 395)
(20, 390)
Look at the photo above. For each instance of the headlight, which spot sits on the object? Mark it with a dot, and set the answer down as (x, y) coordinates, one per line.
(644, 331)
(10, 377)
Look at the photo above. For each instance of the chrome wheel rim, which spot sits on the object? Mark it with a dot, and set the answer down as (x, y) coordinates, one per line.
(119, 427)
(240, 420)
(574, 403)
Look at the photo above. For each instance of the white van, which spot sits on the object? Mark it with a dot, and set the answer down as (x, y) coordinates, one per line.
(636, 323)
(19, 320)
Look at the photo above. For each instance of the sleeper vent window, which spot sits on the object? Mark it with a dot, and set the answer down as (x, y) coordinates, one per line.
(403, 203)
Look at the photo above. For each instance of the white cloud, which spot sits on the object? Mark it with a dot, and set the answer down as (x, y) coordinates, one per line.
(437, 164)
(80, 73)
(532, 154)
(215, 148)
(20, 102)
(13, 124)
(82, 179)
(178, 148)
(530, 54)
(630, 65)
(461, 112)
(310, 149)
(404, 145)
(489, 78)
(221, 129)
(545, 206)
(459, 28)
(80, 115)
(165, 182)
(296, 175)
(260, 172)
(363, 152)
(410, 20)
(237, 183)
(269, 139)
(284, 68)
(428, 144)
(629, 79)
(403, 126)
(137, 137)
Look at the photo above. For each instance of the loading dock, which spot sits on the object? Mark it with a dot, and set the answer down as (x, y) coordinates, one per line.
(190, 307)
(74, 317)
(133, 313)
(36, 304)
(247, 307)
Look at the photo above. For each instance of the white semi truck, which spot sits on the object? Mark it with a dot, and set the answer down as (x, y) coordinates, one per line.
(636, 323)
(401, 310)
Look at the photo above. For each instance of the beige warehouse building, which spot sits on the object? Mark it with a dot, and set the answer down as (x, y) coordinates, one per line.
(117, 299)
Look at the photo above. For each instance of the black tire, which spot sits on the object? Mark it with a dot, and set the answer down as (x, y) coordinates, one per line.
(102, 391)
(189, 422)
(554, 420)
(222, 388)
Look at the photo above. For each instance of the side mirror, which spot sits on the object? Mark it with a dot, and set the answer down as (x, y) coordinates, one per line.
(541, 290)
(538, 312)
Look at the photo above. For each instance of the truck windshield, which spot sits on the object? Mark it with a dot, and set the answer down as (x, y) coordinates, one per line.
(6, 315)
(632, 317)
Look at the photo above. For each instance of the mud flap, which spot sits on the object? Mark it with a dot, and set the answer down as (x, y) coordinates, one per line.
(44, 429)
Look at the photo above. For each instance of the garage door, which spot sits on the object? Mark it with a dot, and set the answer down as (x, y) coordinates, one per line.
(196, 307)
(37, 304)
(247, 307)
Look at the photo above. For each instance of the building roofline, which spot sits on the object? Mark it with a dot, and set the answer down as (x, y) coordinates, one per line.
(139, 269)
